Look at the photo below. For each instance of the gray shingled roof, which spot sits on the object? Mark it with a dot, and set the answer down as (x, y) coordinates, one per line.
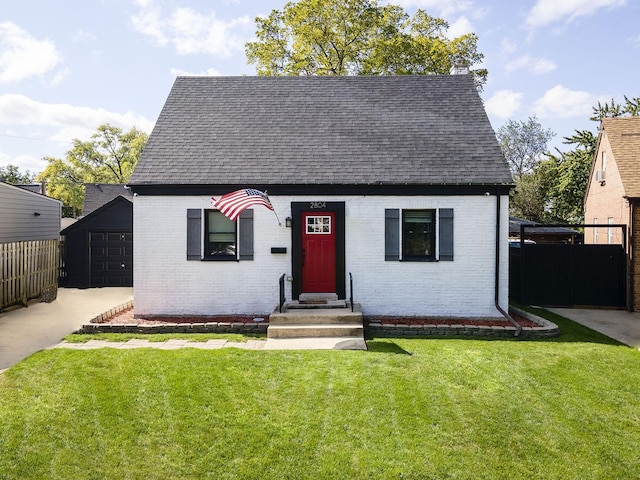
(429, 130)
(99, 194)
(514, 228)
(35, 188)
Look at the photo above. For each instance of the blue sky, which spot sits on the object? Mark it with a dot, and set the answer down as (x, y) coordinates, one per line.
(68, 66)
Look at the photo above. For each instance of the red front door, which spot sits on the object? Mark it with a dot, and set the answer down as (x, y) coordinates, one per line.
(318, 252)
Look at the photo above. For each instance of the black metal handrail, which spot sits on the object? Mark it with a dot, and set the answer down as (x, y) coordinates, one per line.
(282, 297)
(351, 290)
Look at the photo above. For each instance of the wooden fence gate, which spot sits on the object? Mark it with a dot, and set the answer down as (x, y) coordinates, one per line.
(28, 270)
(569, 275)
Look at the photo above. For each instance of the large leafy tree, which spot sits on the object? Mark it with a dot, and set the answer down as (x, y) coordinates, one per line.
(524, 145)
(12, 174)
(109, 157)
(357, 37)
(568, 174)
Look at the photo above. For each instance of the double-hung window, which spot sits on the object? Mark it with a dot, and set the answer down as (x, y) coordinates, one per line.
(212, 236)
(220, 236)
(418, 234)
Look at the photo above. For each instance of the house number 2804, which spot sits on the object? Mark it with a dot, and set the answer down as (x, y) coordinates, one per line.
(317, 204)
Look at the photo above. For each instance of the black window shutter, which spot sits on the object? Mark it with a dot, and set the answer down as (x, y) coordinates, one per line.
(446, 234)
(194, 222)
(245, 221)
(391, 234)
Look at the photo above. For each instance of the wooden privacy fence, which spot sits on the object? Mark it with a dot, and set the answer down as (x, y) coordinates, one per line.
(29, 270)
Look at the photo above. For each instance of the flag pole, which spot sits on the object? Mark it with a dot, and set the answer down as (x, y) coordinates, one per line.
(274, 209)
(274, 212)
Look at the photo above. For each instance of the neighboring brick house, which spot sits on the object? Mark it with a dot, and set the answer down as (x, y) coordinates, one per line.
(613, 192)
(398, 180)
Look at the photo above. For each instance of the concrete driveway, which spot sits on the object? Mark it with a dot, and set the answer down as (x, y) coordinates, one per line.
(27, 330)
(617, 324)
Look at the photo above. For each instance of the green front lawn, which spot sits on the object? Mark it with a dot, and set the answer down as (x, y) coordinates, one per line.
(568, 408)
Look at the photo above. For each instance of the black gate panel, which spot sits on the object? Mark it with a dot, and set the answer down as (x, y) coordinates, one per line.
(547, 274)
(569, 275)
(601, 274)
(111, 259)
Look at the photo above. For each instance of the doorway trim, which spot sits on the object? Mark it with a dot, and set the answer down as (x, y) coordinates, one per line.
(296, 242)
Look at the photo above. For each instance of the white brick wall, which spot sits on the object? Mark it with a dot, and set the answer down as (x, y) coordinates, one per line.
(166, 283)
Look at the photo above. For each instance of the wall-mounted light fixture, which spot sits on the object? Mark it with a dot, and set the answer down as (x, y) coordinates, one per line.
(36, 214)
(287, 222)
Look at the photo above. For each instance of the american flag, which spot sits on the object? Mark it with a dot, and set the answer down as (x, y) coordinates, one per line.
(232, 204)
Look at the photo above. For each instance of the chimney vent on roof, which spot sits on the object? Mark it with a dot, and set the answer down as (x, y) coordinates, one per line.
(459, 67)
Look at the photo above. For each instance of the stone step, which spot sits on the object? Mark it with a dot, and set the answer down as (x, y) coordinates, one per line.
(296, 305)
(325, 316)
(317, 297)
(317, 330)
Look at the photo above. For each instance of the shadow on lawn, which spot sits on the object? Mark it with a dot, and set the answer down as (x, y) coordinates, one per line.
(385, 346)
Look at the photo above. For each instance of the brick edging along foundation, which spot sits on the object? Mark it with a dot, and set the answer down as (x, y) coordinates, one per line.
(114, 311)
(372, 329)
(545, 329)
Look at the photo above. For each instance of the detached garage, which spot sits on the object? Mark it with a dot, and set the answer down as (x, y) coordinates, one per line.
(98, 248)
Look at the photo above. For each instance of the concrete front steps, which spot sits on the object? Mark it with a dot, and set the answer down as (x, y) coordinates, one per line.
(317, 321)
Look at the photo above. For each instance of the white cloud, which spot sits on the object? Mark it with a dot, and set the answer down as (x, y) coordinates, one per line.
(537, 66)
(635, 41)
(189, 31)
(50, 128)
(84, 37)
(443, 8)
(460, 27)
(209, 72)
(21, 110)
(560, 102)
(508, 47)
(65, 135)
(59, 77)
(149, 22)
(24, 162)
(23, 56)
(503, 103)
(545, 12)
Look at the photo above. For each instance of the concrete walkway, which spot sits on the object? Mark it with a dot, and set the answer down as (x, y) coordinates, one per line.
(315, 343)
(617, 324)
(24, 331)
(172, 344)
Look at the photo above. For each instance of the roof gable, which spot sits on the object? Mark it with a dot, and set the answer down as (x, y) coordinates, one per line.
(389, 130)
(623, 134)
(119, 200)
(99, 194)
(27, 192)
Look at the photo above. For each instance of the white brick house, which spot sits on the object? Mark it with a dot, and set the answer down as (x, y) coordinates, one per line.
(396, 180)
